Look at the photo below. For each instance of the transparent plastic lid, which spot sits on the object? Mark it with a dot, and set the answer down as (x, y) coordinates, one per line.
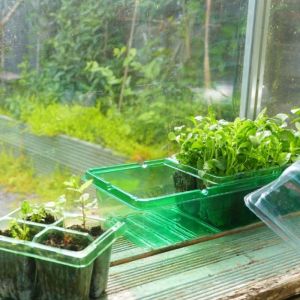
(278, 204)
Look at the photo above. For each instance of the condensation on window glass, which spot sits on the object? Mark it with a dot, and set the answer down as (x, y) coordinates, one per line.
(117, 74)
(282, 72)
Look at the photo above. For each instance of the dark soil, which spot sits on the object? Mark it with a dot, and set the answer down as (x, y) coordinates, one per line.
(49, 219)
(93, 231)
(184, 182)
(66, 241)
(6, 233)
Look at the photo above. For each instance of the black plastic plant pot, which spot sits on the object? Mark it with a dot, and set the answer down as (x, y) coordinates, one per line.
(46, 269)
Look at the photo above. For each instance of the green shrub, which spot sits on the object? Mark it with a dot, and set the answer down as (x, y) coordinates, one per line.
(17, 176)
(89, 124)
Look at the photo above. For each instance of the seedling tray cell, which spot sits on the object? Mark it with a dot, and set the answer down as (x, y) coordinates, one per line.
(33, 270)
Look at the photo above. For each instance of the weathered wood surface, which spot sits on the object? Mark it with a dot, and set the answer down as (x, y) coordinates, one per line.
(251, 264)
(280, 286)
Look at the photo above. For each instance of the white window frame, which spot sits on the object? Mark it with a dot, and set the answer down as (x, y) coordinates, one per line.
(254, 57)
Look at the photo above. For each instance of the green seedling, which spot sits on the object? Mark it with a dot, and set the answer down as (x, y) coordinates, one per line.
(226, 148)
(39, 212)
(80, 197)
(20, 231)
(32, 213)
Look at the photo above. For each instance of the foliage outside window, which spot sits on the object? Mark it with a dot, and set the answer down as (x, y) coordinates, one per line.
(133, 69)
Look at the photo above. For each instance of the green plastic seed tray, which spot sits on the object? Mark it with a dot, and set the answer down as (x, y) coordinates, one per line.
(211, 179)
(33, 270)
(168, 201)
(144, 186)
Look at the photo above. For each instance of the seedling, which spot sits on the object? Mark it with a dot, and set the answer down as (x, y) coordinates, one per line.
(81, 197)
(19, 231)
(41, 213)
(226, 148)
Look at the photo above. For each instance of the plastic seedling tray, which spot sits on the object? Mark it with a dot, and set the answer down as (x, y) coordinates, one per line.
(210, 179)
(278, 204)
(207, 179)
(144, 186)
(33, 270)
(147, 192)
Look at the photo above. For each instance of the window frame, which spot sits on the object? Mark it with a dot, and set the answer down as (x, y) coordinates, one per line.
(254, 58)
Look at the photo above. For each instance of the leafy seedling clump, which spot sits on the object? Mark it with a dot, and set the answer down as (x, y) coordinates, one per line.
(19, 231)
(225, 148)
(43, 214)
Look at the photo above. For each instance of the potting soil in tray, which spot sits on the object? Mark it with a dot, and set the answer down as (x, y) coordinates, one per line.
(45, 269)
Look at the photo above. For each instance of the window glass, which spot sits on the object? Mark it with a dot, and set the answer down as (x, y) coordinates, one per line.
(282, 72)
(117, 74)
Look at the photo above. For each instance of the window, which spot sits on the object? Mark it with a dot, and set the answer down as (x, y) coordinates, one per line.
(117, 74)
(282, 72)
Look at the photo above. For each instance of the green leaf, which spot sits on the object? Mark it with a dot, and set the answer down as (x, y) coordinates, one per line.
(254, 140)
(262, 114)
(295, 111)
(282, 117)
(284, 158)
(85, 185)
(172, 136)
(220, 164)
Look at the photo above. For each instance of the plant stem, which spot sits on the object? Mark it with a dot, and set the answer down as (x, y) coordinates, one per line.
(105, 39)
(10, 13)
(129, 46)
(207, 77)
(83, 214)
(3, 22)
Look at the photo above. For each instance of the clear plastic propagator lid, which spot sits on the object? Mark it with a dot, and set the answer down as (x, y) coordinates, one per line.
(278, 204)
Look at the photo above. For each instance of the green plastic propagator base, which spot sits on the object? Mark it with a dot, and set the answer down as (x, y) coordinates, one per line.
(164, 203)
(155, 183)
